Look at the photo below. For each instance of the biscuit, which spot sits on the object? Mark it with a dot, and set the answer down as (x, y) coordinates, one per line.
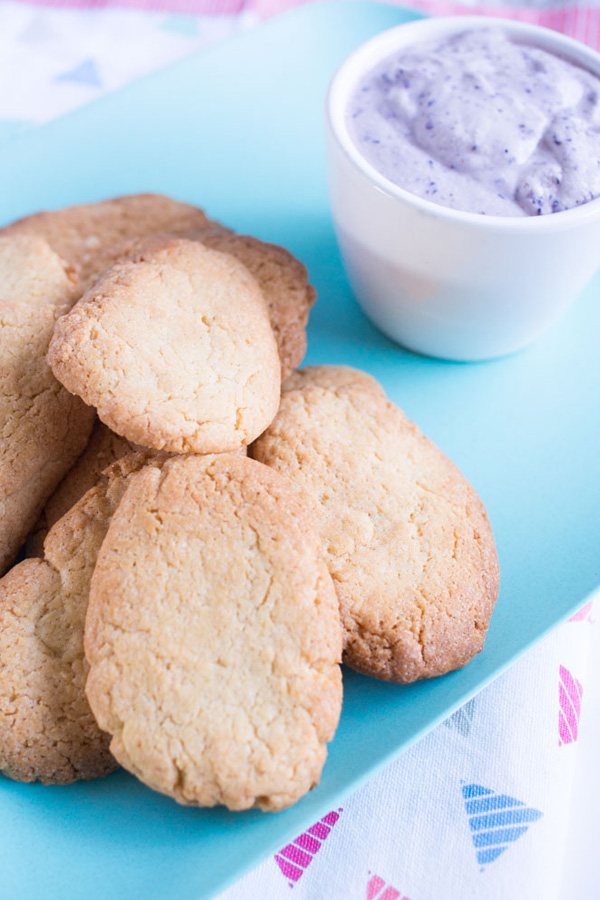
(104, 447)
(330, 378)
(47, 731)
(213, 636)
(86, 236)
(282, 278)
(43, 428)
(407, 540)
(284, 282)
(175, 351)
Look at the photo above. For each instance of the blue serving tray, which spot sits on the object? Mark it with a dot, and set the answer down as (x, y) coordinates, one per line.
(238, 129)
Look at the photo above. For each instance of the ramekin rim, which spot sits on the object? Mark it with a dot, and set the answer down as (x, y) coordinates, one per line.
(337, 103)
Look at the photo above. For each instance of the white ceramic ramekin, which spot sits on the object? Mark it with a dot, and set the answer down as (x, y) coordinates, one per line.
(445, 283)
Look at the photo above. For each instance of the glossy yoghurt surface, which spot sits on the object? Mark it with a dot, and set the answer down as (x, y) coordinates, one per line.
(481, 123)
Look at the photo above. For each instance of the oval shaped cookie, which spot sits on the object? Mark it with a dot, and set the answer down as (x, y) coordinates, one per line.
(213, 636)
(85, 236)
(407, 539)
(104, 447)
(47, 731)
(43, 428)
(284, 282)
(175, 351)
(282, 278)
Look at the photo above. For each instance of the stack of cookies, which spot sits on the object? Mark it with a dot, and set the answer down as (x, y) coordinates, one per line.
(209, 529)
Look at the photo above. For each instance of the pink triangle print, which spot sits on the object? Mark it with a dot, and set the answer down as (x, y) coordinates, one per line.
(298, 855)
(377, 889)
(584, 614)
(570, 693)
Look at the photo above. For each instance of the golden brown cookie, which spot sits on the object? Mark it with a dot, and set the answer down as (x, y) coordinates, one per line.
(86, 236)
(213, 636)
(104, 447)
(43, 428)
(47, 731)
(282, 278)
(330, 378)
(175, 351)
(407, 539)
(284, 283)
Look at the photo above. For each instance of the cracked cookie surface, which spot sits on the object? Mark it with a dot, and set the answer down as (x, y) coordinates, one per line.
(174, 349)
(213, 636)
(407, 540)
(282, 278)
(104, 447)
(47, 730)
(86, 236)
(284, 283)
(43, 428)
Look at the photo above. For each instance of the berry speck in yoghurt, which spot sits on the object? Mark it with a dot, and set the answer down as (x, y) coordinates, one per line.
(484, 124)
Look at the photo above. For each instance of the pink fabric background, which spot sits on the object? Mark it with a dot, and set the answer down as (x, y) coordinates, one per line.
(581, 21)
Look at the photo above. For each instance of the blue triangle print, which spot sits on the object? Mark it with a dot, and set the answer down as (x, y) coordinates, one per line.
(462, 718)
(37, 30)
(496, 820)
(85, 73)
(10, 128)
(180, 24)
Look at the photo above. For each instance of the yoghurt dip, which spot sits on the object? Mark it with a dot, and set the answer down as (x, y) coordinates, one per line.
(484, 124)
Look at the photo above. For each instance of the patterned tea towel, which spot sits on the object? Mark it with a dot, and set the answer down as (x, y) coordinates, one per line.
(495, 803)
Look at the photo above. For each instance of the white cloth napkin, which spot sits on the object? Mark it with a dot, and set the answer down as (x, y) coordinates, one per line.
(477, 810)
